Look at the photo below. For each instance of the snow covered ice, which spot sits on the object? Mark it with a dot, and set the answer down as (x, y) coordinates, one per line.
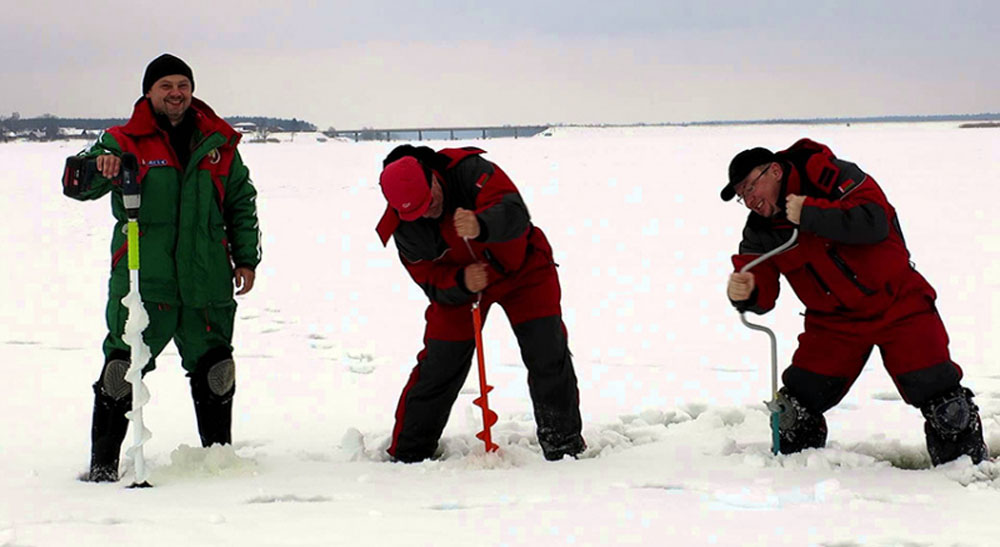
(671, 383)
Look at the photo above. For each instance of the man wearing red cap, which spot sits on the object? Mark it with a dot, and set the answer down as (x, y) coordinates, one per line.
(199, 233)
(463, 233)
(851, 269)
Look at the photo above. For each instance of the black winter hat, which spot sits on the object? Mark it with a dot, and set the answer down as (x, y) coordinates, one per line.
(165, 65)
(740, 167)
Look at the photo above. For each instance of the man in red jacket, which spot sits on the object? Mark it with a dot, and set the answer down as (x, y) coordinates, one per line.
(851, 269)
(463, 233)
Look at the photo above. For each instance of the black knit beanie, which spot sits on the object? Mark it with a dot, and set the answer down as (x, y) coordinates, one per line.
(165, 65)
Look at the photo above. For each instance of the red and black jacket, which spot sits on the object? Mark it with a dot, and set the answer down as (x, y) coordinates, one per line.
(431, 250)
(850, 258)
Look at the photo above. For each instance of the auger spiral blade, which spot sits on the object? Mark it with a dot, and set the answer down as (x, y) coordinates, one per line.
(489, 417)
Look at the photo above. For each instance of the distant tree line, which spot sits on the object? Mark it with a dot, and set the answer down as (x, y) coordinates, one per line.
(49, 125)
(14, 125)
(974, 125)
(274, 124)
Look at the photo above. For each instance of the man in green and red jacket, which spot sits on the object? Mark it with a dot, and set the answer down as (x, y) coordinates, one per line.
(464, 234)
(198, 234)
(851, 269)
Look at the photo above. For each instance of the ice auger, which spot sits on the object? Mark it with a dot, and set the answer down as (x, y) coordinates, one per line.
(773, 405)
(489, 417)
(137, 321)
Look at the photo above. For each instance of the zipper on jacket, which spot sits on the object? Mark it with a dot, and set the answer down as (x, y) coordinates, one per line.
(494, 262)
(815, 274)
(195, 160)
(843, 267)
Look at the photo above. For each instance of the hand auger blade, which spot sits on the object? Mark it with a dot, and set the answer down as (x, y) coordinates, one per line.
(773, 404)
(489, 417)
(137, 321)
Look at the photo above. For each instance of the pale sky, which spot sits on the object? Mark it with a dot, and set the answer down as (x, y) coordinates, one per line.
(429, 62)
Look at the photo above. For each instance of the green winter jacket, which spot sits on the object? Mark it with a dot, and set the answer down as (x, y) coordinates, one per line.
(195, 224)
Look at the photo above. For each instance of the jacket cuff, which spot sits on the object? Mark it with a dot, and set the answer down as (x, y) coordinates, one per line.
(744, 305)
(460, 281)
(484, 232)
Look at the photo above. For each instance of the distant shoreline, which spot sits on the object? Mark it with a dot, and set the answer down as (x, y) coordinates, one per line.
(282, 124)
(985, 117)
(73, 129)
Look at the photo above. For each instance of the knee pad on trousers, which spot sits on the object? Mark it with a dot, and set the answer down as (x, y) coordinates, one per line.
(221, 377)
(214, 378)
(798, 427)
(112, 383)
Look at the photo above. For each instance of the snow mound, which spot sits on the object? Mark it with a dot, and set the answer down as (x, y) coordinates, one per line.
(519, 444)
(195, 462)
(631, 430)
(979, 476)
(739, 434)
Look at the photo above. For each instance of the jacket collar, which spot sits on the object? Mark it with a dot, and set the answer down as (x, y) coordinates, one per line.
(387, 224)
(143, 121)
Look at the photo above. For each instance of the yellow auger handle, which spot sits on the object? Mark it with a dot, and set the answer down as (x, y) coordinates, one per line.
(133, 245)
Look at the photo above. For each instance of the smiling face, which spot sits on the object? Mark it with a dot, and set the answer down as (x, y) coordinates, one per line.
(761, 189)
(171, 97)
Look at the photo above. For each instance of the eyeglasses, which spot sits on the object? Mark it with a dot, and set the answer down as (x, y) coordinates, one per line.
(749, 187)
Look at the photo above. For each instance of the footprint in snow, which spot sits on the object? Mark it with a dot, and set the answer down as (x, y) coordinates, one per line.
(289, 498)
(655, 486)
(359, 363)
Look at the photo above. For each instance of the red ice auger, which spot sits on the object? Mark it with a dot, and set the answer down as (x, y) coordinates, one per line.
(489, 417)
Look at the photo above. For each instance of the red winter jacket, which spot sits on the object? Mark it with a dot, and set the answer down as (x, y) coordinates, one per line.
(431, 250)
(850, 258)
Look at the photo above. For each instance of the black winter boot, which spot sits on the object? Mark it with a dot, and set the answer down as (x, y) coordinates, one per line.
(953, 427)
(554, 452)
(213, 384)
(112, 399)
(798, 427)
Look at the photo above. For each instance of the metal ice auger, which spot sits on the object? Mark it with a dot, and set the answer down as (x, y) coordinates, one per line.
(773, 404)
(137, 322)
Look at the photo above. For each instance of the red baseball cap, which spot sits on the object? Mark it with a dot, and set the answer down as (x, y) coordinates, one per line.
(405, 187)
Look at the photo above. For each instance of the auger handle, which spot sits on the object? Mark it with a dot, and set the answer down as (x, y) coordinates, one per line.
(772, 405)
